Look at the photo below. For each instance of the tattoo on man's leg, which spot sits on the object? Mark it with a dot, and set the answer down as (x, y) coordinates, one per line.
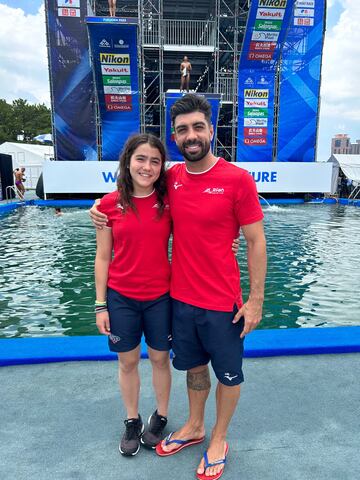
(199, 381)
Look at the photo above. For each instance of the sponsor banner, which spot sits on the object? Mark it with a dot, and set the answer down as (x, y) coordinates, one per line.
(260, 55)
(114, 58)
(115, 70)
(118, 107)
(255, 141)
(304, 12)
(265, 36)
(275, 177)
(268, 25)
(300, 89)
(274, 13)
(71, 81)
(273, 3)
(255, 103)
(256, 93)
(117, 90)
(303, 22)
(256, 112)
(118, 80)
(68, 3)
(117, 83)
(305, 3)
(69, 12)
(255, 122)
(170, 99)
(262, 46)
(255, 132)
(118, 99)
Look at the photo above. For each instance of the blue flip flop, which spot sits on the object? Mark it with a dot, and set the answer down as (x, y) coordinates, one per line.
(182, 444)
(222, 461)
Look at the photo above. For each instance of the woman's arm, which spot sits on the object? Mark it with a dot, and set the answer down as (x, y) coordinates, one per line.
(104, 244)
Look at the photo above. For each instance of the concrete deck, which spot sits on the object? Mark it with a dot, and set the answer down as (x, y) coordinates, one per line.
(298, 419)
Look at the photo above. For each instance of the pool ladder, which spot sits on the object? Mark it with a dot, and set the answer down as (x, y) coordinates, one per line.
(8, 196)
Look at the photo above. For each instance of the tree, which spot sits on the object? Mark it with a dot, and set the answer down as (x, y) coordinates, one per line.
(22, 118)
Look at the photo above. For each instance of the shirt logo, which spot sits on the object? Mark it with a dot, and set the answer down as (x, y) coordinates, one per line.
(229, 377)
(177, 185)
(214, 191)
(114, 338)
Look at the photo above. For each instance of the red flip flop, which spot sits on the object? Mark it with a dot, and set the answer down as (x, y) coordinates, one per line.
(181, 444)
(202, 476)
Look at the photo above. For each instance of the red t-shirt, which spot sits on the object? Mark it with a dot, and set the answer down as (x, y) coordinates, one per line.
(140, 267)
(207, 211)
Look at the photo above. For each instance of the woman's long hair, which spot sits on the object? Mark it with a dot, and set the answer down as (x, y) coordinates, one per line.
(124, 181)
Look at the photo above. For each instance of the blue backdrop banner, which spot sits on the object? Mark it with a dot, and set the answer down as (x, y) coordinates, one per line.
(170, 99)
(300, 83)
(266, 28)
(113, 43)
(71, 83)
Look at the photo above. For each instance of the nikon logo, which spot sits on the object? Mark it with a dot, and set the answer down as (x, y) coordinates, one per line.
(256, 93)
(273, 3)
(115, 58)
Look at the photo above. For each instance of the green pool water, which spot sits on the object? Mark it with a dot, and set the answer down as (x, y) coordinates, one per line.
(46, 270)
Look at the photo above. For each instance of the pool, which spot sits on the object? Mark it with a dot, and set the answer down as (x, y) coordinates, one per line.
(47, 286)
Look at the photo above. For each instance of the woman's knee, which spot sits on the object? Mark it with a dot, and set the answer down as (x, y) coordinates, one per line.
(128, 363)
(159, 360)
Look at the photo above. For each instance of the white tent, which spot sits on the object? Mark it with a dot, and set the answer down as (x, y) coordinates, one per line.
(29, 156)
(350, 166)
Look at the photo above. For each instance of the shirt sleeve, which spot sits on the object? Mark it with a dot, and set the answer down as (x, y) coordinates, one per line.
(247, 205)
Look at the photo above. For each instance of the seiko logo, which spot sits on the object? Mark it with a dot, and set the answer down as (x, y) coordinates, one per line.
(214, 191)
(177, 185)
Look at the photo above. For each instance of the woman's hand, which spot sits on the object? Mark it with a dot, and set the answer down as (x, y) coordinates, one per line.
(103, 322)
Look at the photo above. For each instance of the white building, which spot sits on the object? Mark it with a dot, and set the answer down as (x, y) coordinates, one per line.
(29, 156)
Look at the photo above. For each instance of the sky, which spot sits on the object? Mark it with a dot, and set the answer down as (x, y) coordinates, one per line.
(24, 70)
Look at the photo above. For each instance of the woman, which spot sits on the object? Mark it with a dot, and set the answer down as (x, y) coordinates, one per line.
(132, 288)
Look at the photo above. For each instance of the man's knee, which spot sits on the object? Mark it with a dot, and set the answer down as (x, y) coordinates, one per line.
(198, 378)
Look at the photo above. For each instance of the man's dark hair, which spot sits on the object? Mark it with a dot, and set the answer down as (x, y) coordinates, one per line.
(191, 103)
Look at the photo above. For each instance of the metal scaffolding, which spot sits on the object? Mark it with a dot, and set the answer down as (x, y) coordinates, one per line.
(210, 33)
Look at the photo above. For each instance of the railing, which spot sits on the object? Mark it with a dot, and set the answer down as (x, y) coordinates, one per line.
(8, 197)
(199, 33)
(184, 32)
(228, 89)
(151, 31)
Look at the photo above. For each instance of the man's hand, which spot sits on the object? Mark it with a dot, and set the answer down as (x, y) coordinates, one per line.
(99, 219)
(235, 245)
(103, 322)
(252, 313)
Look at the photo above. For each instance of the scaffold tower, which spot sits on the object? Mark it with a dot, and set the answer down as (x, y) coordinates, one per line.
(210, 34)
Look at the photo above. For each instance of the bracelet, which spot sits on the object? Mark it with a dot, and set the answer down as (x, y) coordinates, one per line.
(100, 303)
(99, 309)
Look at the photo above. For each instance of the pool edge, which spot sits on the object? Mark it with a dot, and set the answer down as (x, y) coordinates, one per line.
(261, 343)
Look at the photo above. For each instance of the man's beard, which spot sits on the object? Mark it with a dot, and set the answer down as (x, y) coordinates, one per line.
(195, 157)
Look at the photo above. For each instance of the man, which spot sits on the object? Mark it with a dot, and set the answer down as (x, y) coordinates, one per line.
(210, 199)
(185, 69)
(19, 174)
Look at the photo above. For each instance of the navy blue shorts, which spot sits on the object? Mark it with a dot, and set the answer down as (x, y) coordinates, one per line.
(130, 318)
(201, 335)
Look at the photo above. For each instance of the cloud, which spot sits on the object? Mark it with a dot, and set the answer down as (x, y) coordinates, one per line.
(23, 56)
(341, 68)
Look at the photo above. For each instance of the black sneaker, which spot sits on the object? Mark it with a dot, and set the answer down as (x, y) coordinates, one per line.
(154, 431)
(130, 441)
